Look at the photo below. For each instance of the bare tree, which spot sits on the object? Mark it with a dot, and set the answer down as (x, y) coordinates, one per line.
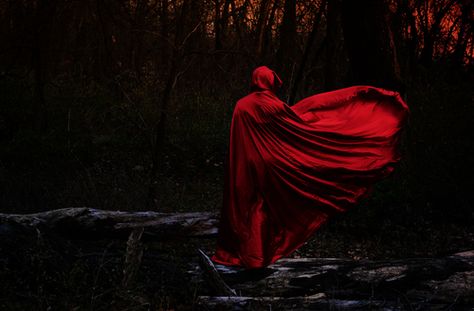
(158, 137)
(333, 35)
(431, 14)
(307, 51)
(220, 22)
(369, 43)
(286, 54)
(465, 30)
(261, 25)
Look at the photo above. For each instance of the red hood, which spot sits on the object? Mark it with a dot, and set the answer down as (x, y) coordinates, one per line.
(263, 78)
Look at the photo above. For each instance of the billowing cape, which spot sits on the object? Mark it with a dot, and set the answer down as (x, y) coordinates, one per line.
(288, 169)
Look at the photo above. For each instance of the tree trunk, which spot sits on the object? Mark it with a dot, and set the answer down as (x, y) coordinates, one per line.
(267, 33)
(139, 23)
(370, 44)
(220, 23)
(405, 35)
(462, 38)
(431, 34)
(333, 35)
(106, 62)
(217, 25)
(42, 24)
(286, 54)
(260, 29)
(307, 50)
(238, 16)
(426, 56)
(158, 137)
(164, 33)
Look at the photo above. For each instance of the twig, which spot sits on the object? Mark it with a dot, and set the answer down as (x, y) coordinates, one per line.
(213, 277)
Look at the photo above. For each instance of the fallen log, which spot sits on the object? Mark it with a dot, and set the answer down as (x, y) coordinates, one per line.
(86, 222)
(316, 302)
(426, 283)
(324, 283)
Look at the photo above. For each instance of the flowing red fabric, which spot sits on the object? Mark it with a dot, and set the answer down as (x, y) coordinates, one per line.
(288, 169)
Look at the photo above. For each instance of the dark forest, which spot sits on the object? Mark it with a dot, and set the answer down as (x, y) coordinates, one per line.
(126, 106)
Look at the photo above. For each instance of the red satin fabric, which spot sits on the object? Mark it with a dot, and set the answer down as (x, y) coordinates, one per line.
(288, 169)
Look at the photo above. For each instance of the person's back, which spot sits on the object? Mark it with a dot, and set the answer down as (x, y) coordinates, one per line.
(289, 169)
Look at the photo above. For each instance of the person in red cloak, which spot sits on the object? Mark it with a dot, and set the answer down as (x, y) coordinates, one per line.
(289, 169)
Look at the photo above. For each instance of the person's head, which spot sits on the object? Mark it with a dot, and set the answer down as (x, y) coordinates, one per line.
(263, 78)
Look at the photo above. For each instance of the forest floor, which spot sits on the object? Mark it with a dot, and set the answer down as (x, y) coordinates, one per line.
(44, 272)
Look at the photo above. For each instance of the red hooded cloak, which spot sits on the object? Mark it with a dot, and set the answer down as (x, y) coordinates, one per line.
(288, 169)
